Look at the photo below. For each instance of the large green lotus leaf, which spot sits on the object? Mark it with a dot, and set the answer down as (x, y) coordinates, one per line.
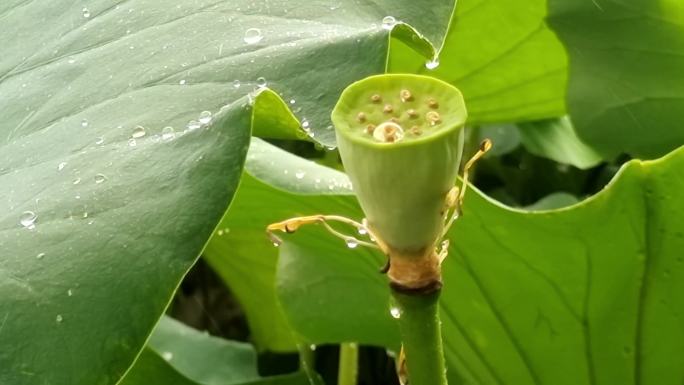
(178, 354)
(582, 295)
(240, 251)
(509, 65)
(122, 212)
(625, 92)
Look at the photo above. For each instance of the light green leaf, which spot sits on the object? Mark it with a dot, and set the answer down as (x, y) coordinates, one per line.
(553, 201)
(556, 139)
(178, 354)
(625, 93)
(502, 56)
(123, 212)
(581, 295)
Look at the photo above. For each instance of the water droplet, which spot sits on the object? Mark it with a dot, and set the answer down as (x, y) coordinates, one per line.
(40, 255)
(219, 232)
(76, 181)
(138, 132)
(253, 36)
(168, 133)
(99, 178)
(71, 60)
(312, 347)
(205, 117)
(275, 244)
(84, 123)
(182, 82)
(363, 231)
(59, 318)
(193, 125)
(99, 140)
(261, 82)
(300, 174)
(70, 292)
(168, 356)
(86, 12)
(352, 243)
(305, 124)
(432, 64)
(132, 142)
(395, 312)
(61, 166)
(388, 22)
(236, 83)
(292, 101)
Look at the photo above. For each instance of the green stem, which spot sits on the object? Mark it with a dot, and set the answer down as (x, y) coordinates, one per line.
(307, 360)
(349, 367)
(421, 336)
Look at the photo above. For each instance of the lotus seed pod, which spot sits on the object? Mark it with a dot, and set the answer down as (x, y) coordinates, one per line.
(402, 160)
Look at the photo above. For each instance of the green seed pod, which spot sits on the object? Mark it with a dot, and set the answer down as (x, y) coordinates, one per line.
(401, 139)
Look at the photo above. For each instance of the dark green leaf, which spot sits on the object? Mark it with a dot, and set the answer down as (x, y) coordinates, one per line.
(625, 92)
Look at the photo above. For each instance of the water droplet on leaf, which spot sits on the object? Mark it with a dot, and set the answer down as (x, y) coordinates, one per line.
(236, 83)
(205, 117)
(253, 36)
(432, 64)
(99, 178)
(168, 133)
(138, 132)
(193, 125)
(299, 174)
(395, 312)
(261, 82)
(352, 243)
(59, 318)
(388, 22)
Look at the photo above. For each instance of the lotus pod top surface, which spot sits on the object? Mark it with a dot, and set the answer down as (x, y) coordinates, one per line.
(398, 109)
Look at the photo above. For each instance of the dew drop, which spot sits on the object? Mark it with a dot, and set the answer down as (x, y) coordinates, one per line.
(132, 142)
(61, 166)
(363, 231)
(193, 125)
(261, 82)
(76, 181)
(236, 83)
(70, 292)
(205, 117)
(86, 12)
(395, 312)
(99, 178)
(59, 318)
(292, 101)
(388, 22)
(182, 82)
(252, 36)
(305, 124)
(138, 132)
(40, 255)
(312, 347)
(352, 243)
(168, 356)
(432, 64)
(220, 232)
(168, 133)
(299, 174)
(84, 123)
(99, 140)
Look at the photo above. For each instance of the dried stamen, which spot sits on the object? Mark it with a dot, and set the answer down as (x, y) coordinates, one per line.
(405, 95)
(433, 117)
